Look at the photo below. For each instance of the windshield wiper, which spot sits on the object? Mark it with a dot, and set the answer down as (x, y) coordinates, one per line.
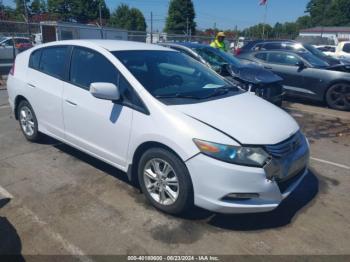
(178, 95)
(220, 91)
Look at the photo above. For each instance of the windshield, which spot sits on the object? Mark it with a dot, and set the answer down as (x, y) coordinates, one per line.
(315, 51)
(216, 57)
(313, 60)
(170, 74)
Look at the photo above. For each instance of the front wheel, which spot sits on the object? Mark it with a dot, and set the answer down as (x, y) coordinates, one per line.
(28, 121)
(338, 96)
(165, 181)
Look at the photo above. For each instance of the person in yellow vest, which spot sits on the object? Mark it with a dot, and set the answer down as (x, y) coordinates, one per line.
(219, 42)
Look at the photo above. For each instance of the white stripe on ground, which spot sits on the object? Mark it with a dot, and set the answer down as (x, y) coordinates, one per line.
(330, 163)
(5, 193)
(69, 247)
(4, 106)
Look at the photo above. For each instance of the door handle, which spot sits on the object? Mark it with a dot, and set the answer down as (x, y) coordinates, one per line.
(268, 67)
(31, 85)
(71, 103)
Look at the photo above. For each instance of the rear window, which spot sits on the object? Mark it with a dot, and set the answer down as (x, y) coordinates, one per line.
(53, 61)
(34, 59)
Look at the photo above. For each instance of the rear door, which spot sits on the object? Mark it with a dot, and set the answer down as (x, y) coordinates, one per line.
(98, 126)
(45, 77)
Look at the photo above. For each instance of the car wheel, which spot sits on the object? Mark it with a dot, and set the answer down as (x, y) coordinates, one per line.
(28, 121)
(165, 181)
(338, 96)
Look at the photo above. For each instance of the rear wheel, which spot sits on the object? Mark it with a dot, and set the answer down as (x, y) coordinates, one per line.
(28, 121)
(338, 96)
(165, 181)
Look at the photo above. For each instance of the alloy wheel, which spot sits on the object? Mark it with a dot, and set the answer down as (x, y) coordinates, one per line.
(27, 121)
(161, 181)
(338, 96)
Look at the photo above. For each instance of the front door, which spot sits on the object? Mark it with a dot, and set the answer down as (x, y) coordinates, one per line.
(98, 126)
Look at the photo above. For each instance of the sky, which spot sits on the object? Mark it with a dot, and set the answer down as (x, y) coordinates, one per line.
(226, 14)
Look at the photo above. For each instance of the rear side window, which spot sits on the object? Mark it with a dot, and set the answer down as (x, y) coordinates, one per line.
(283, 58)
(346, 48)
(272, 46)
(53, 60)
(34, 59)
(261, 56)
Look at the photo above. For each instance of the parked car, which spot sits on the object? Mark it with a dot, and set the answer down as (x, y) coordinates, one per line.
(307, 76)
(185, 134)
(9, 48)
(263, 45)
(249, 77)
(343, 50)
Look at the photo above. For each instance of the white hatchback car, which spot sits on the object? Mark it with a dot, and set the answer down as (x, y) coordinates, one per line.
(182, 132)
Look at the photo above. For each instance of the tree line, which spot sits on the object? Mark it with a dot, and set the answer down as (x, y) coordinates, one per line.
(80, 11)
(180, 18)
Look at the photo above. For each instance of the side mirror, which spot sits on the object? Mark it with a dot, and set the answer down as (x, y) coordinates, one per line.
(300, 64)
(105, 91)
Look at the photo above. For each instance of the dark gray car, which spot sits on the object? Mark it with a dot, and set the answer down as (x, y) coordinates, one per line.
(249, 77)
(307, 76)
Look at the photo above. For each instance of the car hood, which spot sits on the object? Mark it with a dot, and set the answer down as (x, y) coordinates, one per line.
(246, 118)
(255, 74)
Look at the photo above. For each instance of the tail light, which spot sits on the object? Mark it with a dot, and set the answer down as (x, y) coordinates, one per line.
(12, 71)
(238, 51)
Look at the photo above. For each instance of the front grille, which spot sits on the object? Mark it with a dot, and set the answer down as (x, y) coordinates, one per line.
(285, 184)
(286, 147)
(269, 91)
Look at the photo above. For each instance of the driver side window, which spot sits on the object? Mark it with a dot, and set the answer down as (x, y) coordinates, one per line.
(283, 58)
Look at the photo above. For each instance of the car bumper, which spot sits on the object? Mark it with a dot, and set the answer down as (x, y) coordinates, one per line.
(214, 180)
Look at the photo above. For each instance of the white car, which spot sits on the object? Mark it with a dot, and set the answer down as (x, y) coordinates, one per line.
(185, 134)
(343, 50)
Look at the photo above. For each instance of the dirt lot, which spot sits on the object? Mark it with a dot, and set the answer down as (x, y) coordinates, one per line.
(56, 200)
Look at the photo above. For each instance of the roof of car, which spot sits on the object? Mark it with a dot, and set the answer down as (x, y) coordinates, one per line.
(186, 44)
(111, 45)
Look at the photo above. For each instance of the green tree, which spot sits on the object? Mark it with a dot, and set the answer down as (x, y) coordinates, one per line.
(38, 7)
(19, 6)
(181, 15)
(78, 10)
(128, 18)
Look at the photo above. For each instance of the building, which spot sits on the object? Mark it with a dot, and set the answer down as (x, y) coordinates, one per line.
(335, 33)
(54, 31)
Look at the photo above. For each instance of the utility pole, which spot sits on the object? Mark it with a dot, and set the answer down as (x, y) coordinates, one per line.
(151, 28)
(100, 15)
(187, 28)
(26, 16)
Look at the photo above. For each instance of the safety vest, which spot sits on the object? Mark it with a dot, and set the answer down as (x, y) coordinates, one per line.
(219, 45)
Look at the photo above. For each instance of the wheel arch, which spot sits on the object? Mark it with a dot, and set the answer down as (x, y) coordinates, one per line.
(18, 100)
(332, 83)
(140, 150)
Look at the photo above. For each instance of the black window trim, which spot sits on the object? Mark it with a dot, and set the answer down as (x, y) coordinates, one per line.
(30, 57)
(41, 71)
(142, 109)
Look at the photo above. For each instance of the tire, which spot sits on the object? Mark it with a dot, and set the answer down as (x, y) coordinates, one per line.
(338, 96)
(163, 192)
(28, 121)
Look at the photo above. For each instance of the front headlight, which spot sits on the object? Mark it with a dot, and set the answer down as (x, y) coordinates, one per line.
(247, 156)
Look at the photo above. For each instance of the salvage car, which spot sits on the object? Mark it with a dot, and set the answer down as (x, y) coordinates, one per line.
(307, 76)
(249, 77)
(290, 45)
(186, 135)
